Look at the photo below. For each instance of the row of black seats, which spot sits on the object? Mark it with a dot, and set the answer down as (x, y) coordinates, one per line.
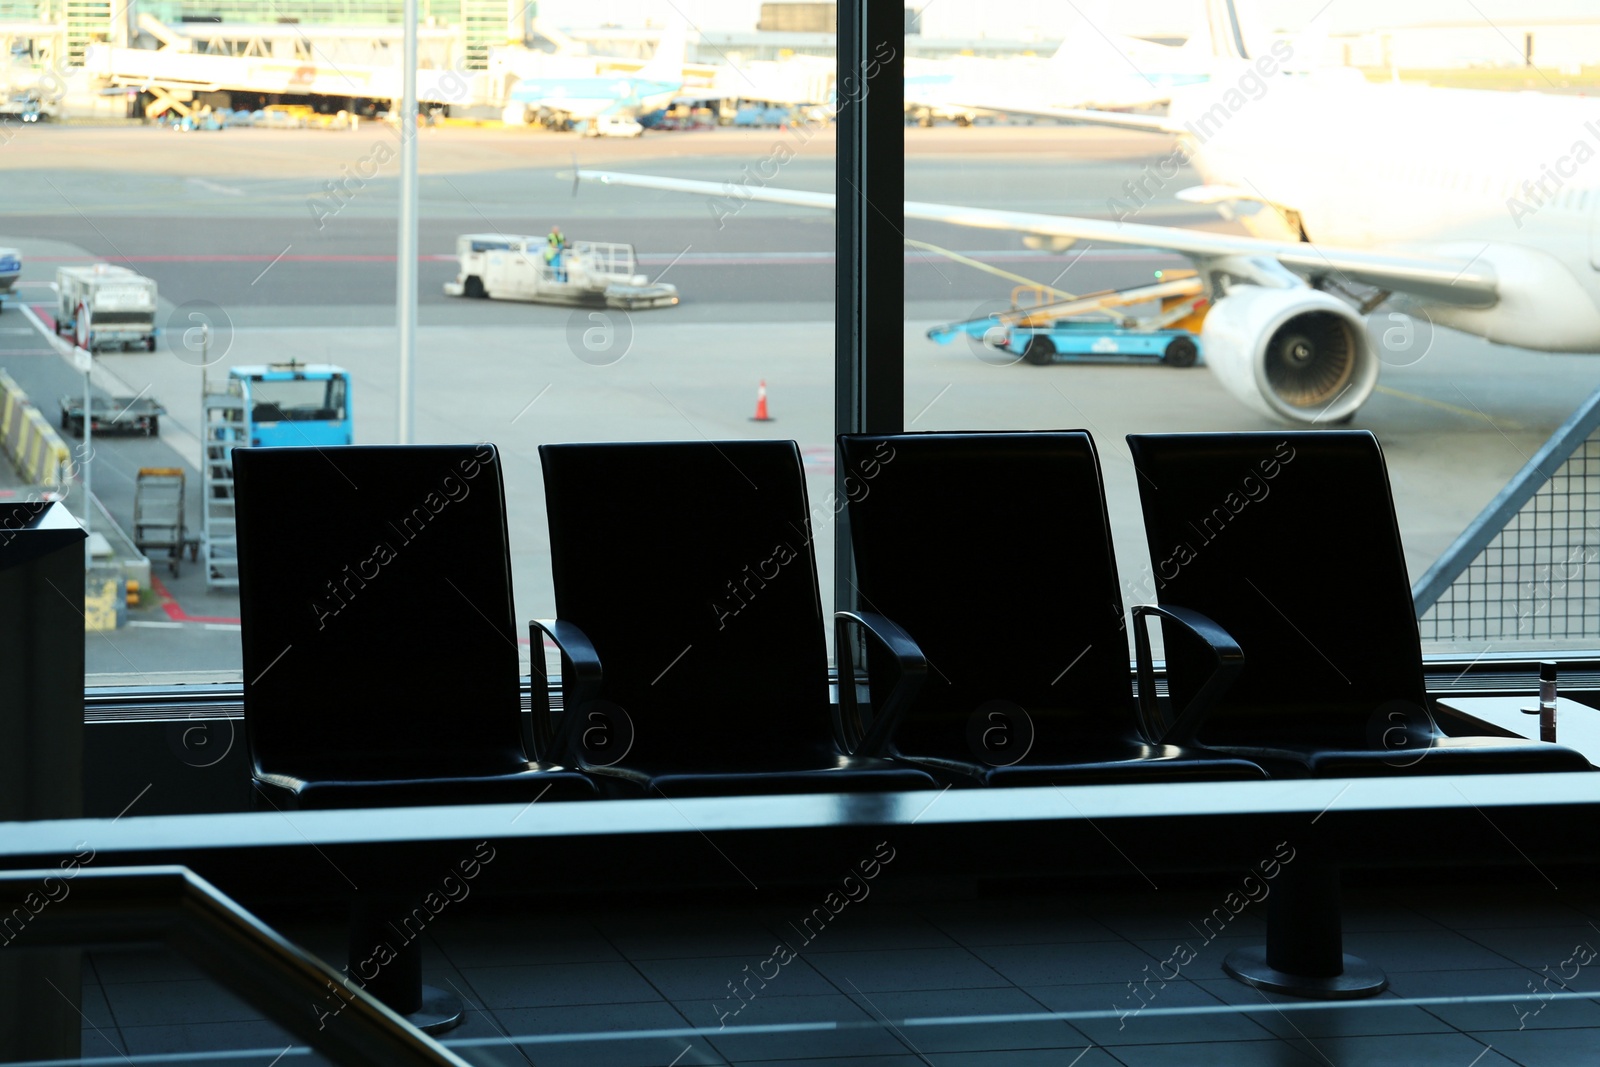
(381, 648)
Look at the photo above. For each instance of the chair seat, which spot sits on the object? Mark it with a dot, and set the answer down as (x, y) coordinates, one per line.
(544, 784)
(1102, 765)
(846, 775)
(1446, 755)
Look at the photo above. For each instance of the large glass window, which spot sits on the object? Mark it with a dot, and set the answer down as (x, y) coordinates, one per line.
(291, 401)
(1431, 277)
(266, 218)
(1313, 127)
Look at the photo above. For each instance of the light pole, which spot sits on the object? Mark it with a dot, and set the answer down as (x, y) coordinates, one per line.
(83, 357)
(406, 293)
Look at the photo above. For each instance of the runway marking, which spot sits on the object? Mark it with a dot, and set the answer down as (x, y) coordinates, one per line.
(175, 434)
(1445, 406)
(36, 314)
(151, 624)
(686, 259)
(817, 460)
(231, 257)
(215, 187)
(175, 612)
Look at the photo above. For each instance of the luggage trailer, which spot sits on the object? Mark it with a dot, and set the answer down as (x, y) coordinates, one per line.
(1094, 328)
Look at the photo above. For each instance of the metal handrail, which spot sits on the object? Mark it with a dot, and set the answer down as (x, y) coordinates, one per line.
(176, 907)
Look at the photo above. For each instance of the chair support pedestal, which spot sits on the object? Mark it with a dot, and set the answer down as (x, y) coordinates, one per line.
(1304, 955)
(386, 958)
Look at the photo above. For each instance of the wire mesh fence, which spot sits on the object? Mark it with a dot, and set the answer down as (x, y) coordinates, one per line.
(1528, 568)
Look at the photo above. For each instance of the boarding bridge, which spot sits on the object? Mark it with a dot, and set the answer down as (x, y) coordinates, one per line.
(27, 50)
(166, 69)
(281, 60)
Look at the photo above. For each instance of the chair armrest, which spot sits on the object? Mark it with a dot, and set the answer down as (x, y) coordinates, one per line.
(1228, 660)
(580, 682)
(911, 672)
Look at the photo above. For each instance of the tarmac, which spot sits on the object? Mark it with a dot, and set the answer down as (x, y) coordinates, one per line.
(239, 229)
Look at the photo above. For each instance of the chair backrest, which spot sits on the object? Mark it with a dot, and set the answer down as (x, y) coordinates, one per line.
(689, 566)
(381, 637)
(1288, 540)
(993, 551)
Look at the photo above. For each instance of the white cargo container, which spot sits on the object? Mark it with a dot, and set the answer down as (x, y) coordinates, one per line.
(508, 266)
(103, 306)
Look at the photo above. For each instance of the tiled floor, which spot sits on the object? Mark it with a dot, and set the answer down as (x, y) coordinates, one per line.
(884, 959)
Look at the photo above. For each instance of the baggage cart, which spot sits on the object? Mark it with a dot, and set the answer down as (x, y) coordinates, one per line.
(158, 517)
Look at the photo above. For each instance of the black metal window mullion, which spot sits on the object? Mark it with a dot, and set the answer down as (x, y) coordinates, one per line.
(869, 273)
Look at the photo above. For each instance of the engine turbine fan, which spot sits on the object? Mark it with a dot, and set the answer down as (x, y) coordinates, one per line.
(1299, 355)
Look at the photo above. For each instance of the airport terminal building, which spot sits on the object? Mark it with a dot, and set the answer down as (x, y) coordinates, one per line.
(1120, 590)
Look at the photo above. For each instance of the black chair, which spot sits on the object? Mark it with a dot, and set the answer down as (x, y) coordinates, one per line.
(1286, 542)
(694, 660)
(380, 648)
(1291, 639)
(988, 556)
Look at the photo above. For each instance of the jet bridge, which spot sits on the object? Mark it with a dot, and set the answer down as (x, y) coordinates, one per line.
(341, 62)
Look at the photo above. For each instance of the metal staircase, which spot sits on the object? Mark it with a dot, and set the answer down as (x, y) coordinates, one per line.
(225, 426)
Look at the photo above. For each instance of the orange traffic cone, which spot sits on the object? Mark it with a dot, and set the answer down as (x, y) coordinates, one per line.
(761, 405)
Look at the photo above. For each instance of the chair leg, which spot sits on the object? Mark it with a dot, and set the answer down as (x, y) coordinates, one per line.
(1304, 955)
(386, 959)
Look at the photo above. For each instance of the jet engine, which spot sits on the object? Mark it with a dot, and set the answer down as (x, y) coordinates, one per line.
(1297, 354)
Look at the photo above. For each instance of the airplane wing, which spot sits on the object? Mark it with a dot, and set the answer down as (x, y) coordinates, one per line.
(1445, 280)
(931, 94)
(1113, 119)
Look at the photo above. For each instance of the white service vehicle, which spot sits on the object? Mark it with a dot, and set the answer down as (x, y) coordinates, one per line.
(103, 306)
(507, 266)
(28, 107)
(10, 268)
(613, 126)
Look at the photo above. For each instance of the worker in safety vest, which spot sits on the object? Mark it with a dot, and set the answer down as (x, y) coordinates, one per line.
(555, 243)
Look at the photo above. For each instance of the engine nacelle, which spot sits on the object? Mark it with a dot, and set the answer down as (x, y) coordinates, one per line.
(1296, 354)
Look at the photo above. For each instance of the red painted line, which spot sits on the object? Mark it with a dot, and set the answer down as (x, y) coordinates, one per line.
(176, 613)
(232, 258)
(45, 317)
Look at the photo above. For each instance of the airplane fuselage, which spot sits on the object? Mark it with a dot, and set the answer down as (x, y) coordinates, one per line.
(1512, 179)
(586, 98)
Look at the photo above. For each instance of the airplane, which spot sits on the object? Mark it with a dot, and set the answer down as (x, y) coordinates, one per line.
(1475, 210)
(1089, 70)
(655, 85)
